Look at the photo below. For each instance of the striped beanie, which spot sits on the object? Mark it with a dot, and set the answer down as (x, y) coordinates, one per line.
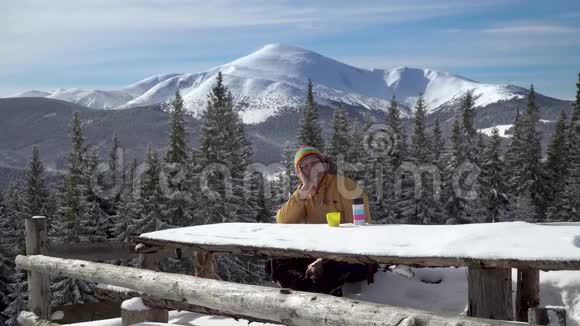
(304, 151)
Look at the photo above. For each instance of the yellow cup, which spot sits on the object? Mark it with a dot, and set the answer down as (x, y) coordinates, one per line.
(333, 218)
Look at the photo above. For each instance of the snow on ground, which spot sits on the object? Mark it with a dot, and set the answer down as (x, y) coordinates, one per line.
(502, 129)
(181, 318)
(508, 240)
(439, 290)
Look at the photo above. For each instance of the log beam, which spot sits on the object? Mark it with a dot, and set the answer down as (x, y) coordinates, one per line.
(259, 302)
(366, 259)
(27, 318)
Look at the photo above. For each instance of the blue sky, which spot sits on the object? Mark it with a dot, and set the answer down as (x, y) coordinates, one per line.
(109, 43)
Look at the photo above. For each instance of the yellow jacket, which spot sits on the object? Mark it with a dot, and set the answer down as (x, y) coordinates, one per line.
(335, 194)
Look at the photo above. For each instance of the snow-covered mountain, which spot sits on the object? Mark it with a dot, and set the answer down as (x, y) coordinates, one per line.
(275, 77)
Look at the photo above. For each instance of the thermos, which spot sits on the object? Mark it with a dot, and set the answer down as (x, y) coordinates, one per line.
(358, 211)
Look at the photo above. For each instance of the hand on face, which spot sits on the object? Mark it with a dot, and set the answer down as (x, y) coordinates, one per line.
(310, 172)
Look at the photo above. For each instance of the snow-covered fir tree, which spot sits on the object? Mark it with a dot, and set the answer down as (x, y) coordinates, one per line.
(75, 219)
(567, 204)
(17, 297)
(527, 169)
(494, 188)
(5, 268)
(462, 200)
(339, 135)
(394, 203)
(309, 132)
(95, 222)
(424, 202)
(224, 156)
(14, 198)
(35, 193)
(176, 170)
(149, 216)
(13, 290)
(556, 164)
(357, 155)
(128, 207)
(116, 178)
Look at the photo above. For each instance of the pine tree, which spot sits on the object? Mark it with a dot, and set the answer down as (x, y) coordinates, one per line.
(225, 149)
(424, 204)
(149, 217)
(178, 135)
(117, 174)
(224, 146)
(95, 222)
(576, 105)
(438, 160)
(421, 146)
(285, 181)
(18, 297)
(399, 151)
(5, 280)
(468, 146)
(494, 188)
(14, 199)
(177, 159)
(128, 207)
(79, 217)
(567, 204)
(5, 259)
(36, 194)
(309, 132)
(13, 290)
(528, 179)
(339, 137)
(557, 161)
(438, 146)
(454, 205)
(514, 155)
(65, 291)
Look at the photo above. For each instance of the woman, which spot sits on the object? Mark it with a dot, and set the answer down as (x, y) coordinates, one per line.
(321, 191)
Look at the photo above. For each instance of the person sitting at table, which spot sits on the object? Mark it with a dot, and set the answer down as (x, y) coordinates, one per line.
(321, 191)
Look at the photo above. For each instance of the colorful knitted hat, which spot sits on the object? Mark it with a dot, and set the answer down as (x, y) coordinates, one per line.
(304, 151)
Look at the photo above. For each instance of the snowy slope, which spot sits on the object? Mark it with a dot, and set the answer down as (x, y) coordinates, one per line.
(275, 76)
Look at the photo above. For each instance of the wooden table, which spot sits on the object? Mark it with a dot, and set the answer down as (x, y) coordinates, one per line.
(488, 250)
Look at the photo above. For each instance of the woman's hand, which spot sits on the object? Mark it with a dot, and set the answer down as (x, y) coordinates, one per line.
(306, 189)
(314, 270)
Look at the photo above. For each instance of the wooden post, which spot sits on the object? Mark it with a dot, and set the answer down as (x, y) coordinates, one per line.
(528, 292)
(549, 315)
(204, 265)
(135, 311)
(149, 261)
(38, 284)
(490, 293)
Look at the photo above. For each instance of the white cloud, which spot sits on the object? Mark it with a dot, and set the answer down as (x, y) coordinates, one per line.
(532, 29)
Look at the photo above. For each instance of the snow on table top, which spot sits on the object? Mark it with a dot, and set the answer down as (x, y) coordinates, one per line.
(509, 240)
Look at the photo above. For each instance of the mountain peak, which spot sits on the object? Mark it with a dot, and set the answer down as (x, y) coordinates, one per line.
(275, 77)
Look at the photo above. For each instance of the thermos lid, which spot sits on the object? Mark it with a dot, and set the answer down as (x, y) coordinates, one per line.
(357, 201)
